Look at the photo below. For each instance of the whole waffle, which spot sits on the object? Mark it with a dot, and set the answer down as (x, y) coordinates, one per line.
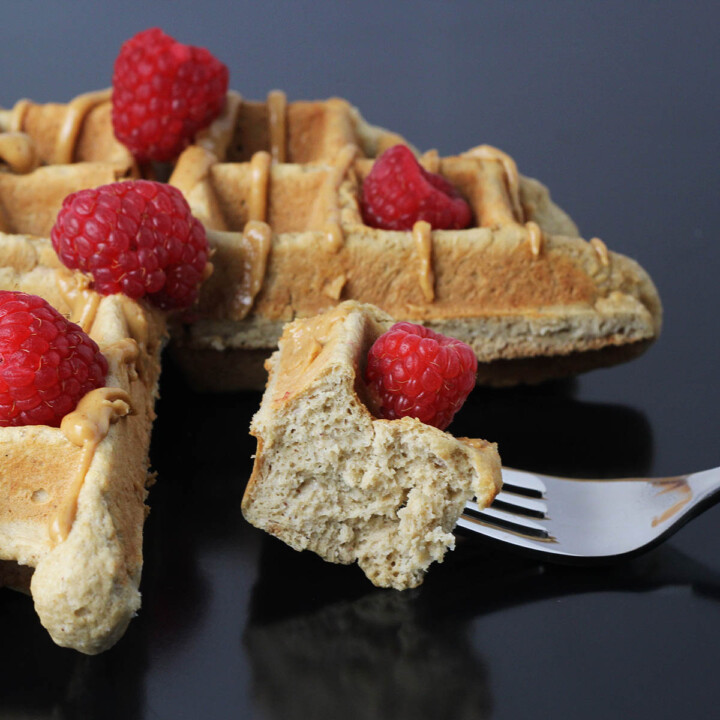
(278, 186)
(74, 504)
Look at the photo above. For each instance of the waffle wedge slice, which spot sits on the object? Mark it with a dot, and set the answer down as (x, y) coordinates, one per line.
(73, 505)
(331, 478)
(531, 297)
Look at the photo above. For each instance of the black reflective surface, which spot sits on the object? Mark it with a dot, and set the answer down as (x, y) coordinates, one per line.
(615, 106)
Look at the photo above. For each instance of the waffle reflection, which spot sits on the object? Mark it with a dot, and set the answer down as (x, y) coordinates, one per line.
(375, 656)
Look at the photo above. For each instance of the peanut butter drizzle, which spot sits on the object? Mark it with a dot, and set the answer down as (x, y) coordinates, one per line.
(430, 160)
(257, 240)
(601, 250)
(259, 186)
(77, 111)
(512, 177)
(13, 120)
(219, 134)
(277, 120)
(19, 152)
(535, 237)
(125, 352)
(136, 321)
(333, 288)
(86, 427)
(83, 302)
(326, 211)
(422, 234)
(303, 342)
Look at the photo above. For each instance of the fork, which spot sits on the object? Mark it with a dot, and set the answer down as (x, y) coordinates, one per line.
(569, 520)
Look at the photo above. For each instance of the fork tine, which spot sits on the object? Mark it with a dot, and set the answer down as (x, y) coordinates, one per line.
(487, 525)
(509, 520)
(523, 483)
(521, 504)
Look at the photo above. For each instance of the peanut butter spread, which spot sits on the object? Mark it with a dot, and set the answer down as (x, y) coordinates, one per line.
(86, 427)
(82, 301)
(218, 136)
(304, 347)
(260, 185)
(18, 151)
(12, 120)
(535, 237)
(422, 234)
(257, 240)
(277, 120)
(602, 252)
(77, 111)
(512, 177)
(326, 213)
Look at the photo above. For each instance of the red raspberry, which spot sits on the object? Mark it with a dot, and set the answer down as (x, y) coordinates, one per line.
(398, 192)
(416, 372)
(163, 93)
(134, 237)
(47, 363)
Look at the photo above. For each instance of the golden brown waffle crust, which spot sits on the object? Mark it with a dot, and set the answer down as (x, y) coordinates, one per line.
(491, 293)
(522, 285)
(330, 477)
(84, 584)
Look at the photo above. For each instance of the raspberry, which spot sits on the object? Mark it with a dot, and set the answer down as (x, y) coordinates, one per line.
(398, 192)
(163, 93)
(47, 363)
(134, 237)
(415, 372)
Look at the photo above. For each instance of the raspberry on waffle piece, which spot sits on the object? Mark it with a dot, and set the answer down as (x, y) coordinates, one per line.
(73, 509)
(415, 372)
(332, 478)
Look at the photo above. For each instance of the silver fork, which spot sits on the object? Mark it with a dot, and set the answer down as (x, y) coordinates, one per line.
(564, 519)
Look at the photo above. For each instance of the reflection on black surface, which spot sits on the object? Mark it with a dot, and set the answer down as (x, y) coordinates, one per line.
(38, 679)
(323, 643)
(544, 428)
(366, 654)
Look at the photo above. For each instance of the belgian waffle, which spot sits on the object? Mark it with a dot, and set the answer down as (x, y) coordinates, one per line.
(74, 506)
(331, 478)
(280, 197)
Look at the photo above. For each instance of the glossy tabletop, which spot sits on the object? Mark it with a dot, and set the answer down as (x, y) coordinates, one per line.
(615, 107)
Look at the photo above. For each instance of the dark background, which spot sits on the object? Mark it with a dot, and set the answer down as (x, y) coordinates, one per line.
(615, 106)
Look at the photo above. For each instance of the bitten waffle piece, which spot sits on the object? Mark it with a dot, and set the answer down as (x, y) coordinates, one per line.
(73, 504)
(33, 134)
(332, 478)
(532, 298)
